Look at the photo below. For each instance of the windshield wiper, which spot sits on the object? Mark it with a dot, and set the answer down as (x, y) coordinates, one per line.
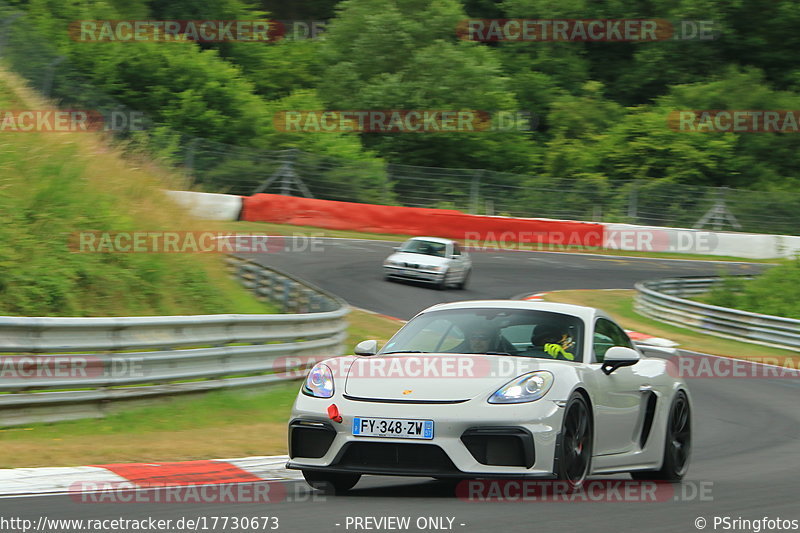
(404, 351)
(495, 353)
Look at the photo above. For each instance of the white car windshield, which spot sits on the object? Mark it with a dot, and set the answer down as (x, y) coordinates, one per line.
(498, 331)
(419, 246)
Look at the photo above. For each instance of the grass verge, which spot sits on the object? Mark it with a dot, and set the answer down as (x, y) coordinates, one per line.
(619, 304)
(215, 425)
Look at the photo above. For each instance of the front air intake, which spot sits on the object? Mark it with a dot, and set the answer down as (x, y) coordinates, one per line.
(500, 446)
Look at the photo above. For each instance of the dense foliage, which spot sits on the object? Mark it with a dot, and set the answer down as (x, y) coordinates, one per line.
(602, 107)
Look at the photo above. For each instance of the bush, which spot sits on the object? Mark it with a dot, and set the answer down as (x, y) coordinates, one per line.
(776, 292)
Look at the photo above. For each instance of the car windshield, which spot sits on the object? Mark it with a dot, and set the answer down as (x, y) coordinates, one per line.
(499, 331)
(419, 246)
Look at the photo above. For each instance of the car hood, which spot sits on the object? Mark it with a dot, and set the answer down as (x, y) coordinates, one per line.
(418, 259)
(433, 377)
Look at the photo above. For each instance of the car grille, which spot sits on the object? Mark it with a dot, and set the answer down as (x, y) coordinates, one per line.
(398, 458)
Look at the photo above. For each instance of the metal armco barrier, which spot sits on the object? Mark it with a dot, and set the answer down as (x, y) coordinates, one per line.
(54, 368)
(661, 300)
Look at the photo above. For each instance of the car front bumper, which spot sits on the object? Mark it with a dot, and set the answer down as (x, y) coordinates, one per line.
(471, 439)
(429, 276)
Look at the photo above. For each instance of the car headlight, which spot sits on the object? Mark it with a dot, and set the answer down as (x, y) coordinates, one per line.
(433, 267)
(390, 263)
(319, 382)
(526, 388)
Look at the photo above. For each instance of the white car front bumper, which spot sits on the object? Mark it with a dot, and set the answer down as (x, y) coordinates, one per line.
(430, 276)
(471, 439)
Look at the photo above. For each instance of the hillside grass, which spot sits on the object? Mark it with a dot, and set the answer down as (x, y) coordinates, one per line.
(53, 185)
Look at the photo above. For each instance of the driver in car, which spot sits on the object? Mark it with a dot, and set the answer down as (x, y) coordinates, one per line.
(484, 340)
(553, 340)
(479, 341)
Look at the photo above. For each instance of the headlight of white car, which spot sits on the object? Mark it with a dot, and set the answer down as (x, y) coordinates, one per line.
(389, 262)
(526, 388)
(432, 267)
(319, 382)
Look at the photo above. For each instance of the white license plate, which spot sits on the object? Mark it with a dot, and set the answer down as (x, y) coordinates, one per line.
(401, 428)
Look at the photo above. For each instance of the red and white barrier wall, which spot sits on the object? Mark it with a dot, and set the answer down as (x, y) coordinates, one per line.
(483, 231)
(416, 221)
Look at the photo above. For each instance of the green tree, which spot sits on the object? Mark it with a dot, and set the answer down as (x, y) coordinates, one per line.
(405, 54)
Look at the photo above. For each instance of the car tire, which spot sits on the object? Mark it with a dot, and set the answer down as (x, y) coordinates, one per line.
(442, 283)
(463, 283)
(677, 445)
(573, 460)
(330, 483)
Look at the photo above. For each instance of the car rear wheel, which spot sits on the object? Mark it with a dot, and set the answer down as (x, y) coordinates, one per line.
(329, 483)
(677, 448)
(574, 454)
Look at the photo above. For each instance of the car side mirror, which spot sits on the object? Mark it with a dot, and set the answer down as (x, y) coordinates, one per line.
(369, 347)
(619, 356)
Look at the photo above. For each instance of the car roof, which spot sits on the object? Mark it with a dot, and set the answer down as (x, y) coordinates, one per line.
(432, 239)
(586, 313)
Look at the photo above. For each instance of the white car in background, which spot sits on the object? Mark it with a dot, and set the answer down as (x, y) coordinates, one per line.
(431, 260)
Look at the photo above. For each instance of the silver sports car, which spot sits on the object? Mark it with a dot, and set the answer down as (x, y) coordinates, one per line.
(493, 389)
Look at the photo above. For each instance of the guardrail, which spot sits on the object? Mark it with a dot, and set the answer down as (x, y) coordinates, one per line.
(661, 300)
(54, 368)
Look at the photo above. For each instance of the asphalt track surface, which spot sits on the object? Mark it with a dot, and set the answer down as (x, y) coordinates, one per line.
(352, 269)
(746, 449)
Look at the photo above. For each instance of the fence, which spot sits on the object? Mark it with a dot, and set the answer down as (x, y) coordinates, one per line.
(486, 192)
(65, 368)
(661, 300)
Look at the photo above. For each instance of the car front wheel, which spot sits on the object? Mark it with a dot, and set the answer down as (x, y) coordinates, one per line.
(442, 283)
(463, 283)
(574, 454)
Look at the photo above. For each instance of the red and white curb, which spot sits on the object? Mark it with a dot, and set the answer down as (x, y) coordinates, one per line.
(637, 337)
(56, 480)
